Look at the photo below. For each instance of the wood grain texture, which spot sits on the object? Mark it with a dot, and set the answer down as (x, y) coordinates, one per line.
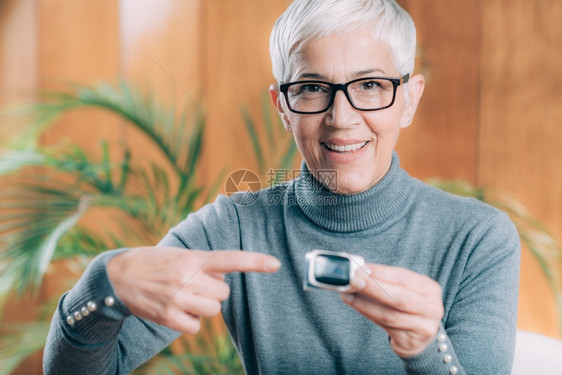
(442, 141)
(161, 48)
(520, 144)
(237, 72)
(18, 78)
(161, 54)
(18, 49)
(79, 43)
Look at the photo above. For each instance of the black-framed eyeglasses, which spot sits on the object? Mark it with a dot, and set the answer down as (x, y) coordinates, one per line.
(364, 94)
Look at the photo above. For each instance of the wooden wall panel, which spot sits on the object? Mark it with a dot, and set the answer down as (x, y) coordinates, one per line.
(442, 141)
(161, 38)
(161, 53)
(18, 49)
(520, 134)
(18, 79)
(237, 72)
(79, 43)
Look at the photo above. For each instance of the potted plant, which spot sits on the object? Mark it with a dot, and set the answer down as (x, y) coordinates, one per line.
(48, 191)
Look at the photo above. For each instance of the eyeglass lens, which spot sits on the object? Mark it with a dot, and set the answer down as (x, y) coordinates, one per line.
(314, 96)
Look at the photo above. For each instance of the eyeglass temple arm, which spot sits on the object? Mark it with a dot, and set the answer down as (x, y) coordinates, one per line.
(405, 78)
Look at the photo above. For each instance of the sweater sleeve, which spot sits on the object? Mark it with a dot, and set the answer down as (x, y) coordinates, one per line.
(93, 332)
(438, 358)
(478, 333)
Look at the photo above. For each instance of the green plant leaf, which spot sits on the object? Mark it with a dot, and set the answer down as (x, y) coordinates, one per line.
(21, 125)
(15, 160)
(289, 156)
(32, 220)
(266, 111)
(252, 132)
(40, 207)
(20, 342)
(47, 248)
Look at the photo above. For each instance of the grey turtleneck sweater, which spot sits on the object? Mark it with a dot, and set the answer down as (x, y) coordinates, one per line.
(471, 249)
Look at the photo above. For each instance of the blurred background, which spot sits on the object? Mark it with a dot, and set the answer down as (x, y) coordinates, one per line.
(490, 115)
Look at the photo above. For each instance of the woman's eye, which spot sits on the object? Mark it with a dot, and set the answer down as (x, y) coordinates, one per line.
(369, 85)
(311, 88)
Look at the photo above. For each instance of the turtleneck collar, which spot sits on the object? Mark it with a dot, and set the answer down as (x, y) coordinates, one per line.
(351, 213)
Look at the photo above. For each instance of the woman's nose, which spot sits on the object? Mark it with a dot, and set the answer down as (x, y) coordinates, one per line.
(341, 114)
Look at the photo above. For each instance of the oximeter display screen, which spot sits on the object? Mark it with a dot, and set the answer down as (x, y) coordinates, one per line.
(332, 270)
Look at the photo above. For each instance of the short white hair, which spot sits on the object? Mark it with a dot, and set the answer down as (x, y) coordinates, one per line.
(309, 19)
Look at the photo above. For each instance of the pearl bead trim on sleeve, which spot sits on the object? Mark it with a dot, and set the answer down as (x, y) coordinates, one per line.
(109, 301)
(85, 311)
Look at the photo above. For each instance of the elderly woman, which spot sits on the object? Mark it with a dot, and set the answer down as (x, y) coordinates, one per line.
(437, 293)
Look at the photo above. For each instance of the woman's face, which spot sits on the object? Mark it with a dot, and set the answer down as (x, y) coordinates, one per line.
(340, 58)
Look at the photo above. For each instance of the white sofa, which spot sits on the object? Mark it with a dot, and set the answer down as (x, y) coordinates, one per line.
(537, 355)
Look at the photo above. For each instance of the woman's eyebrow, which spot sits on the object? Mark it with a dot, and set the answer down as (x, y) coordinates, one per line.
(311, 75)
(356, 74)
(369, 71)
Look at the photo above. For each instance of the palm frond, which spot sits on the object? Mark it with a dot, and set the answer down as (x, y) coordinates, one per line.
(209, 352)
(161, 125)
(212, 341)
(19, 343)
(48, 246)
(214, 187)
(37, 211)
(89, 242)
(32, 220)
(15, 160)
(21, 125)
(195, 141)
(150, 200)
(252, 132)
(40, 207)
(269, 127)
(278, 151)
(288, 157)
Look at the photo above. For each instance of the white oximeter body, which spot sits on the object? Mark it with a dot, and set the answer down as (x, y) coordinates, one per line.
(331, 270)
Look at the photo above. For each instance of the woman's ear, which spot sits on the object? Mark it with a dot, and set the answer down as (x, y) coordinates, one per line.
(416, 85)
(276, 98)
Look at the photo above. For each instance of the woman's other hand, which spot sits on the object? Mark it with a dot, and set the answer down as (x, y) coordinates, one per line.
(174, 287)
(406, 304)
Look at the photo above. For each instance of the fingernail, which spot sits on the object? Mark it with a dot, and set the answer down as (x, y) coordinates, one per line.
(359, 283)
(348, 297)
(272, 263)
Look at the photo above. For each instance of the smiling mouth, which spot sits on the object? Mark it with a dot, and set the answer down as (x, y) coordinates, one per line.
(346, 148)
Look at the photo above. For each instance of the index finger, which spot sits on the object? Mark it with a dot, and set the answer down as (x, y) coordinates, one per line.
(241, 261)
(404, 277)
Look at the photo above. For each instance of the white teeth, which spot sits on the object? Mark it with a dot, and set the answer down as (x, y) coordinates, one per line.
(347, 148)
